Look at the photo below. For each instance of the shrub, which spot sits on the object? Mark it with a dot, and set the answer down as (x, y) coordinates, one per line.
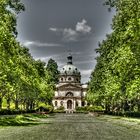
(124, 114)
(59, 110)
(82, 108)
(13, 112)
(95, 109)
(89, 109)
(45, 108)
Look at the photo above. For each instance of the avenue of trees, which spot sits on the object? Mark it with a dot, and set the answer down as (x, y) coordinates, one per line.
(23, 80)
(115, 82)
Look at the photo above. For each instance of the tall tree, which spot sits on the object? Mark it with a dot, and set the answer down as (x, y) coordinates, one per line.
(22, 79)
(115, 80)
(52, 68)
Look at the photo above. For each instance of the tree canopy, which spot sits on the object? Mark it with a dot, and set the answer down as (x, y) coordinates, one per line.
(115, 81)
(52, 68)
(23, 80)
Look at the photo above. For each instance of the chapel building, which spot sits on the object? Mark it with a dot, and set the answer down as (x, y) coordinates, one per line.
(70, 93)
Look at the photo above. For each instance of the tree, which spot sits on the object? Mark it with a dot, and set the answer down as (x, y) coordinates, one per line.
(8, 45)
(115, 80)
(22, 79)
(52, 68)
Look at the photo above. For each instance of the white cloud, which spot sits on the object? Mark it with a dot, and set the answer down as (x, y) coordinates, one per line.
(86, 72)
(27, 43)
(70, 35)
(53, 29)
(39, 44)
(46, 58)
(43, 58)
(82, 27)
(81, 31)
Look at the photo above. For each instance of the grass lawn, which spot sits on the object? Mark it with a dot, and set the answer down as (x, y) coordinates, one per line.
(69, 127)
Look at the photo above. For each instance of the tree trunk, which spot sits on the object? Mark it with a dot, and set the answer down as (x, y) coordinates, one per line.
(107, 107)
(8, 103)
(0, 103)
(138, 104)
(31, 105)
(24, 106)
(16, 105)
(27, 105)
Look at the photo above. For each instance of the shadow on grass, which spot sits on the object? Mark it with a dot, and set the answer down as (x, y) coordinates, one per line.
(36, 115)
(19, 120)
(23, 120)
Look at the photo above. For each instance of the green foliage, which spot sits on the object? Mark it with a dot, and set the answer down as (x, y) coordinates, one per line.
(124, 114)
(13, 111)
(52, 68)
(23, 80)
(95, 108)
(45, 108)
(59, 110)
(83, 108)
(115, 82)
(89, 109)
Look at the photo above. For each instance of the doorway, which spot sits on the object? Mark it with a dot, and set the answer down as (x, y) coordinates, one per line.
(69, 104)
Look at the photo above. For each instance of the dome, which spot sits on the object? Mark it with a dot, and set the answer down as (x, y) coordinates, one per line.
(70, 69)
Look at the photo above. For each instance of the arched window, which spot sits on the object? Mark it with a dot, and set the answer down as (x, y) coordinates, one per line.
(69, 94)
(69, 79)
(61, 79)
(55, 103)
(83, 103)
(61, 103)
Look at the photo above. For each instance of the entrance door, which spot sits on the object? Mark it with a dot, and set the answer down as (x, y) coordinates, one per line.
(69, 104)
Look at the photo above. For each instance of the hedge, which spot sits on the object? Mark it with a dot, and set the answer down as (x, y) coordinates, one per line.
(124, 114)
(14, 112)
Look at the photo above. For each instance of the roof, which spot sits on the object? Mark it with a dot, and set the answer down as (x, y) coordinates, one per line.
(69, 69)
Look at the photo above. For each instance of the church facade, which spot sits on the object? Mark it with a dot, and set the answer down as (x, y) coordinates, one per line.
(70, 93)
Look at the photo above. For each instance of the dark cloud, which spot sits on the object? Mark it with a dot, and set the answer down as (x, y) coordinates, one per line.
(49, 28)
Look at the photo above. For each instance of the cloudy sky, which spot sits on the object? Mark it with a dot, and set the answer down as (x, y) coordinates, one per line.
(50, 28)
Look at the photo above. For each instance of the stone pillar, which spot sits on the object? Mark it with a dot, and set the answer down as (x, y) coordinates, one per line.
(74, 104)
(65, 104)
(85, 103)
(79, 103)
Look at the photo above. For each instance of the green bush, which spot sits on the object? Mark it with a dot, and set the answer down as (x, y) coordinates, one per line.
(82, 108)
(89, 109)
(124, 114)
(59, 110)
(45, 108)
(13, 112)
(95, 109)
